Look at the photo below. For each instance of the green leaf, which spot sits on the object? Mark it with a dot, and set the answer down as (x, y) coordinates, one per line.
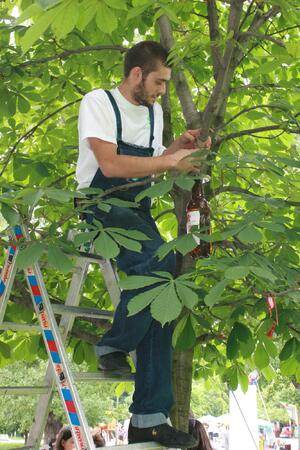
(250, 235)
(140, 301)
(232, 348)
(185, 183)
(29, 12)
(247, 347)
(58, 194)
(232, 376)
(187, 337)
(48, 3)
(131, 234)
(121, 203)
(186, 243)
(67, 18)
(106, 246)
(11, 216)
(236, 272)
(187, 296)
(58, 259)
(179, 329)
(127, 243)
(242, 379)
(31, 254)
(116, 4)
(5, 350)
(87, 13)
(289, 366)
(166, 307)
(165, 249)
(270, 347)
(31, 196)
(269, 373)
(261, 357)
(263, 273)
(137, 11)
(156, 190)
(37, 29)
(288, 349)
(215, 293)
(23, 104)
(289, 162)
(87, 236)
(43, 170)
(139, 281)
(105, 19)
(243, 334)
(276, 227)
(78, 353)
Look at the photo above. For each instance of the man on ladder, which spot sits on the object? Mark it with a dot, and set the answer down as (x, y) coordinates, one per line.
(120, 141)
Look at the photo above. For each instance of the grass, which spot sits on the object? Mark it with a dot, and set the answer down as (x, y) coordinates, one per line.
(9, 445)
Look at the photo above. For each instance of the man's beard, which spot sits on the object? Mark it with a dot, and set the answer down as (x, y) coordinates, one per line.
(140, 95)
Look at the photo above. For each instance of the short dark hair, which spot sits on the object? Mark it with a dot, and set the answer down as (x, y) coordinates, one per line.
(64, 434)
(147, 55)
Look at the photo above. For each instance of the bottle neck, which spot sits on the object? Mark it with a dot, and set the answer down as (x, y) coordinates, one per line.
(197, 191)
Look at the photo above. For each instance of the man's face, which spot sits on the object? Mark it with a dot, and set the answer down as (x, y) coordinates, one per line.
(152, 86)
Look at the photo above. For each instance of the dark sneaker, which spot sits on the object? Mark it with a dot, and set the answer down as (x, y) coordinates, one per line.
(114, 361)
(164, 434)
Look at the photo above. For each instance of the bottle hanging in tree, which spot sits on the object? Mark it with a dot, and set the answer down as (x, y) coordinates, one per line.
(198, 214)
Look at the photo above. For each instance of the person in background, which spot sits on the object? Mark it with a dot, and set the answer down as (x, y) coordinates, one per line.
(197, 430)
(98, 439)
(64, 440)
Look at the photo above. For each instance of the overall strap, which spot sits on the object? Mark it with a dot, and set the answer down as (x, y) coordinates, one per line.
(117, 114)
(151, 116)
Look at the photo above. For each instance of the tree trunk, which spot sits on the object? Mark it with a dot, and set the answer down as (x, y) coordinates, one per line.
(52, 427)
(182, 388)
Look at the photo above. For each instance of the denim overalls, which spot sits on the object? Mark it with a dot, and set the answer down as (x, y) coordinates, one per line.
(153, 397)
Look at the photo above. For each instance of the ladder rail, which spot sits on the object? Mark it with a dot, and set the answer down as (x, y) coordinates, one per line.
(56, 352)
(7, 278)
(65, 325)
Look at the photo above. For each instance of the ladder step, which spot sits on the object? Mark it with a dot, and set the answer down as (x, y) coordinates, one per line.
(79, 311)
(79, 376)
(59, 309)
(109, 376)
(23, 390)
(139, 446)
(90, 257)
(27, 327)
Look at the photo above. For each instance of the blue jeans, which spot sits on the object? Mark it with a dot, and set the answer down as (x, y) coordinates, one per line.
(153, 395)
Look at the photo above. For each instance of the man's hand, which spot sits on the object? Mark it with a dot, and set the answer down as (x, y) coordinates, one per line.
(180, 161)
(190, 139)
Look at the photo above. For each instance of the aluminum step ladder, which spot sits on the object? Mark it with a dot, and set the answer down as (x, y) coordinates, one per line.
(59, 375)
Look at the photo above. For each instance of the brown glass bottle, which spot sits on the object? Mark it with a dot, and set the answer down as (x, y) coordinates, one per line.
(198, 214)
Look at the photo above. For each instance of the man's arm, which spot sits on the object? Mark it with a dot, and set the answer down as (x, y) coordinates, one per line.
(123, 166)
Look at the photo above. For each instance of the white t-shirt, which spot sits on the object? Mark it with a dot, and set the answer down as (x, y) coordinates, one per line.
(97, 119)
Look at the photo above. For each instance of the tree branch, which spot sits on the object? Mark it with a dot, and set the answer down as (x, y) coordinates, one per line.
(217, 103)
(239, 190)
(258, 20)
(67, 53)
(262, 37)
(245, 111)
(214, 33)
(168, 136)
(253, 131)
(189, 110)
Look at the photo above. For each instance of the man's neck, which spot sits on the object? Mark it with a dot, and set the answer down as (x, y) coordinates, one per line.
(125, 90)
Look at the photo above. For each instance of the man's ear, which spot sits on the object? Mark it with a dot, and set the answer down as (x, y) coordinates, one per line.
(136, 74)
